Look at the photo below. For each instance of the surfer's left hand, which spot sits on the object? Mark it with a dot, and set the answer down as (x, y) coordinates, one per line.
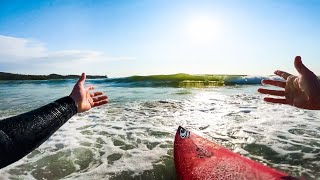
(84, 99)
(301, 91)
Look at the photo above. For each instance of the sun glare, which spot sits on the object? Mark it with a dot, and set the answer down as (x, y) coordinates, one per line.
(201, 29)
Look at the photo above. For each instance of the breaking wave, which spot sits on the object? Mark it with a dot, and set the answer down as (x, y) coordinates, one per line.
(186, 80)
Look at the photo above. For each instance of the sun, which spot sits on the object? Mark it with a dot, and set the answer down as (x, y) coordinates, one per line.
(202, 29)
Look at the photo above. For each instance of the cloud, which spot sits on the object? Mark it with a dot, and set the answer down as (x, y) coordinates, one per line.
(120, 58)
(21, 52)
(13, 49)
(72, 56)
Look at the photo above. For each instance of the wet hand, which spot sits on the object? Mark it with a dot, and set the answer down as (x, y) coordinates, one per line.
(301, 91)
(84, 99)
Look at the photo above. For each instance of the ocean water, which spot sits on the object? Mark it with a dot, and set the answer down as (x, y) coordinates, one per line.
(132, 136)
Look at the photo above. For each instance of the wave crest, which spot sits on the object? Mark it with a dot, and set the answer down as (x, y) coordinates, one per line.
(186, 80)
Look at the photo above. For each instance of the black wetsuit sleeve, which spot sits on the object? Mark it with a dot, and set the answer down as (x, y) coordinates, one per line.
(19, 135)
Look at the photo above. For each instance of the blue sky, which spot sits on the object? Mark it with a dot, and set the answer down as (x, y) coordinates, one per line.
(142, 37)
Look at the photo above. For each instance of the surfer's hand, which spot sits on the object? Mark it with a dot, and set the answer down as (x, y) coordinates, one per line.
(302, 91)
(84, 99)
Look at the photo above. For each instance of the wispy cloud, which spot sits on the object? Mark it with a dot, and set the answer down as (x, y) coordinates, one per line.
(21, 51)
(15, 49)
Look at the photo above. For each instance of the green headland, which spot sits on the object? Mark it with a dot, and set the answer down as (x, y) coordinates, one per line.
(11, 76)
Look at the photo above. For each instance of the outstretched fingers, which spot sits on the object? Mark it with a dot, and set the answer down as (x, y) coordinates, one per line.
(99, 103)
(274, 83)
(276, 100)
(82, 79)
(96, 94)
(90, 88)
(99, 98)
(282, 74)
(300, 67)
(271, 92)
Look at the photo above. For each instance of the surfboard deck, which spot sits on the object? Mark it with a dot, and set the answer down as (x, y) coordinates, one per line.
(197, 158)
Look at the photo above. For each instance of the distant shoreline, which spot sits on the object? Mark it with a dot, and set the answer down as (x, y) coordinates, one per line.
(12, 76)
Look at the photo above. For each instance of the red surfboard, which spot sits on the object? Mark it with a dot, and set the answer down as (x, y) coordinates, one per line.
(198, 158)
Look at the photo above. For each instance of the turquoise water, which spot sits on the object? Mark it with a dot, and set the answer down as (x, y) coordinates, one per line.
(132, 136)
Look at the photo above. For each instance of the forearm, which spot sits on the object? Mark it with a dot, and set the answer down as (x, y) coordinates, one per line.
(19, 135)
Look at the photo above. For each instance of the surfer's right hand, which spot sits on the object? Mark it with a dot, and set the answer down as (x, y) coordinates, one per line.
(301, 91)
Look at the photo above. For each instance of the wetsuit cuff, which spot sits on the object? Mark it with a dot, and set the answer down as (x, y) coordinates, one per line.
(68, 103)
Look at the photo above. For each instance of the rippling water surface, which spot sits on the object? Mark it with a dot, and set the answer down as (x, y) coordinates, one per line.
(132, 136)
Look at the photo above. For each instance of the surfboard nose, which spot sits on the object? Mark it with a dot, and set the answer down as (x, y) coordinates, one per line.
(182, 133)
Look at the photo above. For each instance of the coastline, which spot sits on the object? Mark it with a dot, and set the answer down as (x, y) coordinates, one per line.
(12, 76)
